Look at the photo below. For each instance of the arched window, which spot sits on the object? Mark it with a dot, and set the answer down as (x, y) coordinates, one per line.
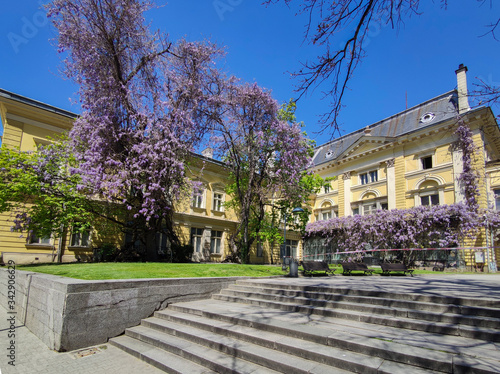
(429, 192)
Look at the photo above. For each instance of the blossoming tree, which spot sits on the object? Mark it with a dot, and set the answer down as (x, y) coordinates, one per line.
(266, 153)
(146, 102)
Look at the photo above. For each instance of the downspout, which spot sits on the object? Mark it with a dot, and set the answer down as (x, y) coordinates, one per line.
(60, 246)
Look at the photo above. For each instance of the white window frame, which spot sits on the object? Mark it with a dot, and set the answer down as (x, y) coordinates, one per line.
(365, 208)
(496, 198)
(260, 249)
(197, 239)
(199, 198)
(291, 248)
(41, 241)
(326, 214)
(163, 243)
(218, 201)
(430, 195)
(78, 239)
(368, 177)
(216, 242)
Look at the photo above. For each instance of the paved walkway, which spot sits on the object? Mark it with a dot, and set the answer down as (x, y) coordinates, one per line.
(33, 357)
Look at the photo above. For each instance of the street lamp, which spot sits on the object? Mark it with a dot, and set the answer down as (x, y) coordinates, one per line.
(293, 264)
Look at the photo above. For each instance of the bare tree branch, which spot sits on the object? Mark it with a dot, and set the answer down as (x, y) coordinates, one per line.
(335, 66)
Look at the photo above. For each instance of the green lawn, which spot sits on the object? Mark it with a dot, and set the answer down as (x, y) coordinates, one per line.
(123, 270)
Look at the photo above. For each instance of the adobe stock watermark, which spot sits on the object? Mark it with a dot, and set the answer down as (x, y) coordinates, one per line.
(29, 29)
(375, 29)
(489, 81)
(223, 6)
(11, 313)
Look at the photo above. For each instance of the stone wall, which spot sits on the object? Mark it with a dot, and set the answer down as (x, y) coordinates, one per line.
(68, 314)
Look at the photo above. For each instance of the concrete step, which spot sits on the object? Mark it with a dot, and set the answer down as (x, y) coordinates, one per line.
(425, 349)
(337, 350)
(168, 362)
(271, 327)
(480, 305)
(223, 354)
(393, 321)
(382, 299)
(371, 305)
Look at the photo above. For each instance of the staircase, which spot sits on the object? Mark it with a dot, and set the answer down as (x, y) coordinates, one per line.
(274, 327)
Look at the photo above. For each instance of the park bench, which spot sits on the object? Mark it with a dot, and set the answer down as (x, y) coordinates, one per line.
(387, 268)
(349, 267)
(311, 266)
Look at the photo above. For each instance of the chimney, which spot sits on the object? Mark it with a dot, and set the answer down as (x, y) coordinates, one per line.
(463, 100)
(208, 153)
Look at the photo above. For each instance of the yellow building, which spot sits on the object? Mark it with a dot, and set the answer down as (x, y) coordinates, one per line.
(400, 162)
(202, 221)
(409, 159)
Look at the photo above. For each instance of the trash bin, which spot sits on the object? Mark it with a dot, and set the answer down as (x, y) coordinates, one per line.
(294, 269)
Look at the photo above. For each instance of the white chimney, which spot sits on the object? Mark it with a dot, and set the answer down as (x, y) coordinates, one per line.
(208, 152)
(463, 100)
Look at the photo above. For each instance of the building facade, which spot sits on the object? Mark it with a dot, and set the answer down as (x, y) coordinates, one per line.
(406, 160)
(410, 159)
(202, 221)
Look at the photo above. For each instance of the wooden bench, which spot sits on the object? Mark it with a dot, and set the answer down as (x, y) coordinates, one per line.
(310, 266)
(387, 268)
(349, 267)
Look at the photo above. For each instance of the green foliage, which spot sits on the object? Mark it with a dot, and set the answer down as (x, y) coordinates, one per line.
(287, 112)
(182, 253)
(106, 252)
(44, 197)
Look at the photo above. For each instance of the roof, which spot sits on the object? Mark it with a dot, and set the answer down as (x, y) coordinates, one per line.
(427, 114)
(25, 100)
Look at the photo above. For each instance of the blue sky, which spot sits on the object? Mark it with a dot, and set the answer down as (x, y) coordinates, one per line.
(265, 43)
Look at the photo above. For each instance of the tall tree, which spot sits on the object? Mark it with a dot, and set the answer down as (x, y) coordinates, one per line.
(266, 155)
(146, 102)
(336, 63)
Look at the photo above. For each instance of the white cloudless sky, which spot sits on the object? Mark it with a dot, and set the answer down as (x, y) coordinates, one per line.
(265, 43)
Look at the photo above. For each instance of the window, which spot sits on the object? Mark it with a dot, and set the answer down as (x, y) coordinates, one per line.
(291, 248)
(369, 177)
(429, 200)
(216, 242)
(197, 198)
(497, 199)
(327, 188)
(163, 244)
(426, 162)
(196, 239)
(80, 238)
(370, 207)
(218, 202)
(34, 239)
(260, 249)
(326, 215)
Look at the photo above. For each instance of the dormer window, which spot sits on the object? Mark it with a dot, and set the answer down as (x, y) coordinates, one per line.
(427, 117)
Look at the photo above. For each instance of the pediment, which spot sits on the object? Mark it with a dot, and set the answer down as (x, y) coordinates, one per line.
(365, 144)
